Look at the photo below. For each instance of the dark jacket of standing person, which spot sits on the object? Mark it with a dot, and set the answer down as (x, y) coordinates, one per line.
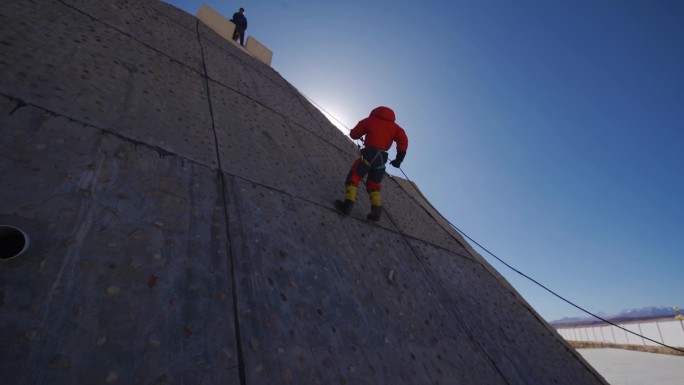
(240, 25)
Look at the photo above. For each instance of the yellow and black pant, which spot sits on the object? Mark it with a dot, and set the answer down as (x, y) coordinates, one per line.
(371, 165)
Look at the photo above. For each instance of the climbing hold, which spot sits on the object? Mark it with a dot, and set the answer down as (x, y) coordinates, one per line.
(392, 276)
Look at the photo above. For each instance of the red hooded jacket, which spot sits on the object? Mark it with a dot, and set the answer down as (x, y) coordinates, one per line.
(380, 130)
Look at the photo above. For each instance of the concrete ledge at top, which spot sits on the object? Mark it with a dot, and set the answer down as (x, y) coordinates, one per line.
(225, 29)
(258, 50)
(215, 21)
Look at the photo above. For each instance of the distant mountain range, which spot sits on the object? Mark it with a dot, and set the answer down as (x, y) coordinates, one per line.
(625, 315)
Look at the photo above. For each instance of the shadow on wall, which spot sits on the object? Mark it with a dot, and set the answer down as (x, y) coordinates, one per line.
(225, 28)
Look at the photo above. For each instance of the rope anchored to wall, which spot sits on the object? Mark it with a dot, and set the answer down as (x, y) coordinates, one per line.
(507, 264)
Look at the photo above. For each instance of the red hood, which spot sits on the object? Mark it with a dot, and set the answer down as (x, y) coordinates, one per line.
(384, 113)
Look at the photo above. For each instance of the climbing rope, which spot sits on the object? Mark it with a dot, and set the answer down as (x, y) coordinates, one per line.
(504, 262)
(321, 108)
(537, 282)
(359, 142)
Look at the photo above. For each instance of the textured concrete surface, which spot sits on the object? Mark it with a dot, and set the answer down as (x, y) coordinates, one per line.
(177, 193)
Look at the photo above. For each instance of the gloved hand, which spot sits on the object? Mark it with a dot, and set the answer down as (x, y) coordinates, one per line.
(400, 158)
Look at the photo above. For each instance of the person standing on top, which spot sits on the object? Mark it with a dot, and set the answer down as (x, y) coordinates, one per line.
(240, 26)
(380, 131)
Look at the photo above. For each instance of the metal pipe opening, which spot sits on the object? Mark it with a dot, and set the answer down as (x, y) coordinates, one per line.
(13, 242)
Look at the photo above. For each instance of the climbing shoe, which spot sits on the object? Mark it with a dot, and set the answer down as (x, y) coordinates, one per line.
(344, 207)
(376, 212)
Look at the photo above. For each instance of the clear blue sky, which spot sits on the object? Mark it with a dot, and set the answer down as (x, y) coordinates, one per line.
(550, 131)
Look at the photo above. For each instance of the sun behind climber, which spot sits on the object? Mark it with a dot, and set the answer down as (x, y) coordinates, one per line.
(380, 131)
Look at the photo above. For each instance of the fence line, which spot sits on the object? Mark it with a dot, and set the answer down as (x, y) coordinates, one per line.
(666, 331)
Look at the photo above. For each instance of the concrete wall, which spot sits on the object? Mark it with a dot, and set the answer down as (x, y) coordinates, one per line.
(214, 20)
(669, 332)
(177, 193)
(259, 50)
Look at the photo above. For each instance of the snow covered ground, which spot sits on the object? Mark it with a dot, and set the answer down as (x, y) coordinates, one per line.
(626, 367)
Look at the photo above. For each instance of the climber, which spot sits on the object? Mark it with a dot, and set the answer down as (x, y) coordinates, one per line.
(380, 131)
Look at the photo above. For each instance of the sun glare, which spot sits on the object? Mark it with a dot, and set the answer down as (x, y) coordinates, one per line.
(333, 118)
